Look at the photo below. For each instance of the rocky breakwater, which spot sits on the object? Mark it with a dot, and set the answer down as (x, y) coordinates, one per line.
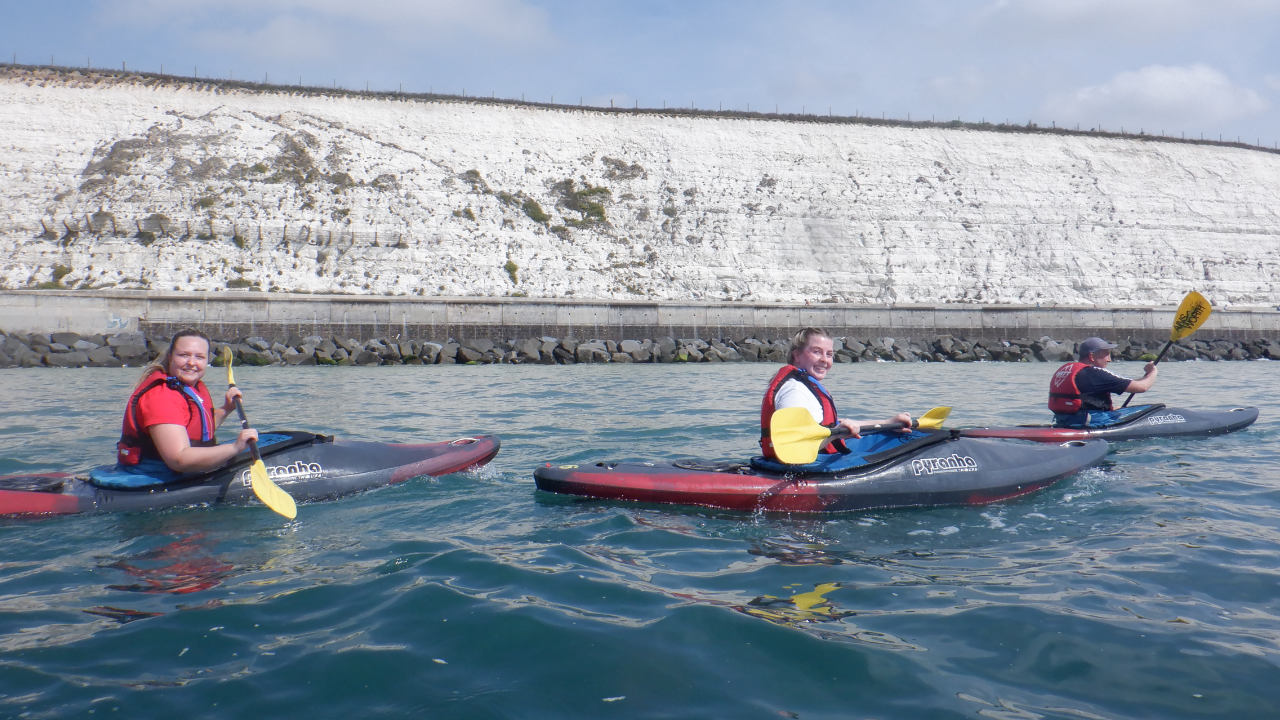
(64, 349)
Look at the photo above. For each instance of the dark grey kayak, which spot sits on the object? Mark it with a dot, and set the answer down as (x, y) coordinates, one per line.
(1145, 421)
(920, 470)
(305, 465)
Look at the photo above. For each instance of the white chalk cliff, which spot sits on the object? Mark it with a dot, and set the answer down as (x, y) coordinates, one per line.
(140, 182)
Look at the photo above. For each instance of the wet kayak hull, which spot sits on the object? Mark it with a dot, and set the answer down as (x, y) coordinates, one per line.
(1156, 421)
(310, 468)
(957, 471)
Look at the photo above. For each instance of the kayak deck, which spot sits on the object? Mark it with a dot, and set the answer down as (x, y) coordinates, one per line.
(955, 471)
(1146, 422)
(309, 467)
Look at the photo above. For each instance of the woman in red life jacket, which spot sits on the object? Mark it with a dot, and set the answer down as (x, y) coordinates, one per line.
(170, 419)
(799, 384)
(1080, 391)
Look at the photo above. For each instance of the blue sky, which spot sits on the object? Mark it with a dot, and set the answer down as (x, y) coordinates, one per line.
(1190, 67)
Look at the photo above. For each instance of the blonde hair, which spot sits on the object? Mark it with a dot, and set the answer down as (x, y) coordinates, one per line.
(802, 338)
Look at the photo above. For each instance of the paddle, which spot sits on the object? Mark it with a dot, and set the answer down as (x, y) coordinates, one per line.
(797, 438)
(267, 491)
(1191, 314)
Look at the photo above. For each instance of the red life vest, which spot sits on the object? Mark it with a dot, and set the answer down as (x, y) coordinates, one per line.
(1064, 394)
(829, 415)
(135, 442)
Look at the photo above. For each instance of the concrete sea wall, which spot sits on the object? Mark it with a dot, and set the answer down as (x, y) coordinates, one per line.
(243, 314)
(283, 328)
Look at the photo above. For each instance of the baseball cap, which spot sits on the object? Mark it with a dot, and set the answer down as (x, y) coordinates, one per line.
(1092, 345)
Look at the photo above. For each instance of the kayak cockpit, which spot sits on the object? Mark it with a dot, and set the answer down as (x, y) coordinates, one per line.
(154, 475)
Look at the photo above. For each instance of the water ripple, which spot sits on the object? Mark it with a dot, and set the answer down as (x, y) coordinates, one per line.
(1144, 587)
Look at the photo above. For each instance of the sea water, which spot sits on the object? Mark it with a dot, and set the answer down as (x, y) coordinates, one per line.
(1144, 587)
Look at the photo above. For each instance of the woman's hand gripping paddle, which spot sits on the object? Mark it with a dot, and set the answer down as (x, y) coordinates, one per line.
(267, 491)
(1191, 314)
(797, 438)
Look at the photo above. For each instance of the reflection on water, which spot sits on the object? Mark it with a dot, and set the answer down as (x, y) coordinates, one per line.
(121, 615)
(178, 567)
(804, 607)
(181, 566)
(790, 552)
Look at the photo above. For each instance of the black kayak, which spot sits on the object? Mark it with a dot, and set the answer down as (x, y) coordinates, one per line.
(305, 465)
(1133, 423)
(886, 471)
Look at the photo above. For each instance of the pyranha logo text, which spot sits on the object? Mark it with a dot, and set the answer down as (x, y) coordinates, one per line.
(296, 471)
(954, 463)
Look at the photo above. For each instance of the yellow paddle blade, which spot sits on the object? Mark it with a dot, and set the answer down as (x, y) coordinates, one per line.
(269, 493)
(815, 598)
(796, 437)
(1191, 314)
(932, 420)
(802, 608)
(226, 360)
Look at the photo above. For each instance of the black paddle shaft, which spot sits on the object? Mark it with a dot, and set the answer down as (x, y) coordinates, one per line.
(1163, 350)
(842, 431)
(244, 423)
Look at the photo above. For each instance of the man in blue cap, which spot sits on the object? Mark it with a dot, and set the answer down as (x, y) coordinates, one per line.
(1080, 392)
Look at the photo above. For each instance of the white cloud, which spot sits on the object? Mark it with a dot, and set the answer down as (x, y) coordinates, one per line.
(1158, 98)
